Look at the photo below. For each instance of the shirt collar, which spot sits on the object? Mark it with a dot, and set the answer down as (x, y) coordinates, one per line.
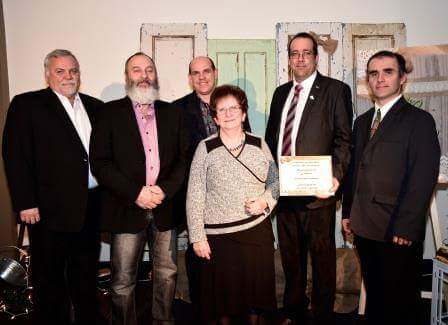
(65, 100)
(308, 82)
(386, 107)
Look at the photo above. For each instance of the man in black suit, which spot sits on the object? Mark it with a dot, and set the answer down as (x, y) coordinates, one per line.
(139, 154)
(310, 115)
(45, 151)
(393, 172)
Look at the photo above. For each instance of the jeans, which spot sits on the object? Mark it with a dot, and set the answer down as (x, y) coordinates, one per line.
(126, 250)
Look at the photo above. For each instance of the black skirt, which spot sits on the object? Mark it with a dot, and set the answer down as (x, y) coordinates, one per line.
(240, 276)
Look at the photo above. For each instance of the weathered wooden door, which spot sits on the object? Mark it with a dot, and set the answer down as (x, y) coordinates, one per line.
(343, 50)
(249, 64)
(172, 46)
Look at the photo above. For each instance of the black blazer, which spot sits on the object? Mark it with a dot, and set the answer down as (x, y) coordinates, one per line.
(118, 161)
(45, 162)
(392, 176)
(324, 129)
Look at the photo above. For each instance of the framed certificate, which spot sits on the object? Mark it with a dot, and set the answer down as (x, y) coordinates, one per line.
(305, 175)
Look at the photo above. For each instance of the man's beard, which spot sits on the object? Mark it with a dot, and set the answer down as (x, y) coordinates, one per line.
(142, 95)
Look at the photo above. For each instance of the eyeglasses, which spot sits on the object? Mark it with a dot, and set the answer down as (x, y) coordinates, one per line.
(231, 109)
(305, 55)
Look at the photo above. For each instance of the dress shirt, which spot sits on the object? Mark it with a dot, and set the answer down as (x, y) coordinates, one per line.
(385, 108)
(148, 131)
(303, 97)
(81, 122)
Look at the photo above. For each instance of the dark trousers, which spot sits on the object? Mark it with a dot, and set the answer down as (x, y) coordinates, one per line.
(64, 269)
(391, 275)
(299, 233)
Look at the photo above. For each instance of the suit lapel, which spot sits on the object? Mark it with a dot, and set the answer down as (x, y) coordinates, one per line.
(161, 131)
(313, 97)
(385, 124)
(56, 106)
(282, 97)
(194, 106)
(132, 126)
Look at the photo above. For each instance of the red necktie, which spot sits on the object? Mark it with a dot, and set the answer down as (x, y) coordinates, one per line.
(289, 123)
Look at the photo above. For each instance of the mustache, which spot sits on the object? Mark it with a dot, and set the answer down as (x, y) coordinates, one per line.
(70, 83)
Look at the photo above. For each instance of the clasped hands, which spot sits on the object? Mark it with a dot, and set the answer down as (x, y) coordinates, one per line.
(150, 197)
(255, 205)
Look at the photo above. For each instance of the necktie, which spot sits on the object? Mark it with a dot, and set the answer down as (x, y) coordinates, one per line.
(289, 123)
(376, 123)
(210, 125)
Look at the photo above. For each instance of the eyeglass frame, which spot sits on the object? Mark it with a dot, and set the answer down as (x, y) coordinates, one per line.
(306, 55)
(224, 110)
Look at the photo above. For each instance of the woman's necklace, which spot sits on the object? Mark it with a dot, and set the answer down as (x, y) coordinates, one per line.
(238, 147)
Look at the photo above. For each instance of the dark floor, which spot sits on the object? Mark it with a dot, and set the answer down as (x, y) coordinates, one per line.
(183, 312)
(182, 309)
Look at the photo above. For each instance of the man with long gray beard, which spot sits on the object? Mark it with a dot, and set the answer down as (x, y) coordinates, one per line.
(139, 154)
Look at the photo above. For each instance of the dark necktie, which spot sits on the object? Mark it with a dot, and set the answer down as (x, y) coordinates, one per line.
(289, 123)
(376, 123)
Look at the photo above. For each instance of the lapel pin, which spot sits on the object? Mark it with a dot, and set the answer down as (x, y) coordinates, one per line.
(311, 97)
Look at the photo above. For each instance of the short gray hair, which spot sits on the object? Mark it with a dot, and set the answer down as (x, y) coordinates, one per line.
(56, 54)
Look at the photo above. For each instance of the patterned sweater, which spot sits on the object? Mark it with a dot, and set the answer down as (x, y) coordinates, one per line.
(219, 185)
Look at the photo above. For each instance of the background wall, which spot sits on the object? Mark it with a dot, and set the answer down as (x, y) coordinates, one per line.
(103, 33)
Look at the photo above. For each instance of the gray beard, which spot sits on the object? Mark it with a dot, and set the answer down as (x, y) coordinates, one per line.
(143, 96)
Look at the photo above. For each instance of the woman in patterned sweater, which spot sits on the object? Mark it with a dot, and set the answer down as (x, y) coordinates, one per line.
(233, 186)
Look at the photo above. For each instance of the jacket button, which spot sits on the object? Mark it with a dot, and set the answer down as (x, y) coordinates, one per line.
(85, 160)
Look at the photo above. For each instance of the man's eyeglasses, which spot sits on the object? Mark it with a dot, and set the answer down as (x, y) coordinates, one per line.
(305, 55)
(231, 109)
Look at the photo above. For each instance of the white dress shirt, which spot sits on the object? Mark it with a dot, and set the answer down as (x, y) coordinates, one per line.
(303, 97)
(81, 122)
(385, 109)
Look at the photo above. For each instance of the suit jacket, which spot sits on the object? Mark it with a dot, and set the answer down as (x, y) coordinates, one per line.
(118, 162)
(45, 161)
(324, 129)
(392, 176)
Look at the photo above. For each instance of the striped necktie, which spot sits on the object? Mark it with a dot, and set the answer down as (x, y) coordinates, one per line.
(376, 123)
(289, 123)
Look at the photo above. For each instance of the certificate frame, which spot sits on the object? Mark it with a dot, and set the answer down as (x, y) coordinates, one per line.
(305, 175)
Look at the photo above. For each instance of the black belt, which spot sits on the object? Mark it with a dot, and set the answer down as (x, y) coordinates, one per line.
(232, 224)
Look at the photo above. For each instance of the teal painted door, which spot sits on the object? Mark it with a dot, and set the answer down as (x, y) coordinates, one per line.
(249, 64)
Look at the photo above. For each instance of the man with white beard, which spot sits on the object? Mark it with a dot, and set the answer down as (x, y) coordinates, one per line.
(139, 155)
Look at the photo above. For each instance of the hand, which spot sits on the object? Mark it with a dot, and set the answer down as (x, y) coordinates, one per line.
(255, 205)
(331, 191)
(400, 241)
(155, 189)
(145, 199)
(30, 216)
(202, 249)
(346, 226)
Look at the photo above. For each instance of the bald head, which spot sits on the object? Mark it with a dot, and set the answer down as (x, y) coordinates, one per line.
(203, 59)
(202, 75)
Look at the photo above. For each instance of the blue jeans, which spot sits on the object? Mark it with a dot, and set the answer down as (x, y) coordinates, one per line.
(126, 250)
